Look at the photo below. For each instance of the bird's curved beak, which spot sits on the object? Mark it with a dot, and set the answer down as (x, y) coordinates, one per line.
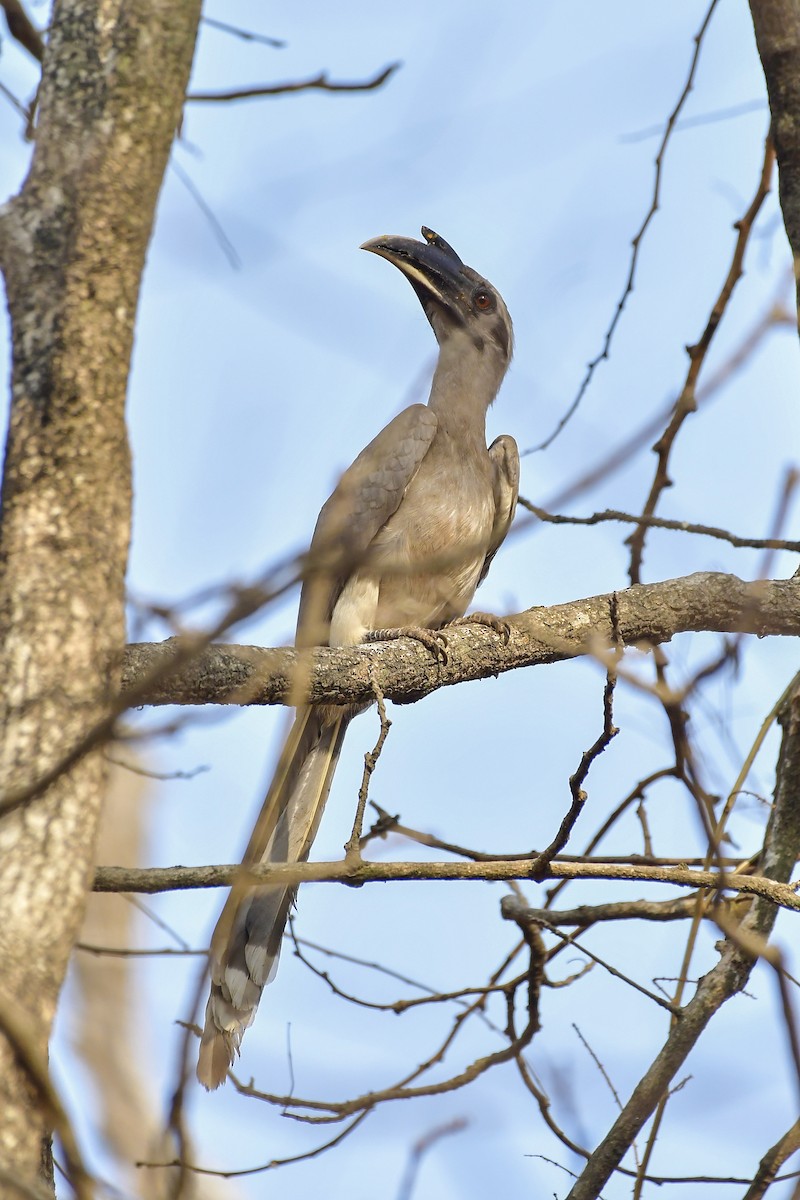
(432, 267)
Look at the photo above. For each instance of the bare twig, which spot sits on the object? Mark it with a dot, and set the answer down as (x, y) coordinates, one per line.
(395, 1006)
(353, 845)
(319, 83)
(517, 912)
(273, 1163)
(686, 402)
(163, 879)
(334, 1111)
(599, 1066)
(774, 316)
(652, 522)
(421, 1148)
(707, 118)
(246, 35)
(637, 240)
(728, 977)
(585, 915)
(387, 823)
(223, 241)
(542, 862)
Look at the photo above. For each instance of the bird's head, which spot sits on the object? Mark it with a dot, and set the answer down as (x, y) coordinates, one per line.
(460, 304)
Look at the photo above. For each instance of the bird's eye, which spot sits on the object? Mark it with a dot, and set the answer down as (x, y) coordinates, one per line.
(483, 300)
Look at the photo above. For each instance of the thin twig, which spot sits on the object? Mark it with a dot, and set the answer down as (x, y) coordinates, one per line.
(541, 864)
(518, 913)
(686, 402)
(775, 315)
(319, 83)
(420, 1148)
(223, 241)
(352, 846)
(653, 522)
(246, 35)
(636, 243)
(273, 1163)
(726, 979)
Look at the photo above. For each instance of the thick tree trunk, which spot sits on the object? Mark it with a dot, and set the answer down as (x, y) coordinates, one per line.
(777, 29)
(72, 246)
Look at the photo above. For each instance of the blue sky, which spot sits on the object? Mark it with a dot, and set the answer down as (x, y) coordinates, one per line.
(520, 132)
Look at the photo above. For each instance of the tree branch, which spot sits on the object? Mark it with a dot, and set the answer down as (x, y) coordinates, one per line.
(777, 29)
(22, 28)
(613, 514)
(404, 671)
(636, 241)
(687, 401)
(320, 83)
(726, 979)
(772, 1162)
(166, 879)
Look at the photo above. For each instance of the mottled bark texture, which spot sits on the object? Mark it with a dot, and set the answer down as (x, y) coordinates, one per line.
(72, 247)
(777, 28)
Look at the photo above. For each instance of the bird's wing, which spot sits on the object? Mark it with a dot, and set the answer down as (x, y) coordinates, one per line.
(367, 495)
(505, 483)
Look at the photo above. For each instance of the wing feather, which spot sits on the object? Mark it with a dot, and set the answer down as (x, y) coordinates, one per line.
(505, 484)
(364, 499)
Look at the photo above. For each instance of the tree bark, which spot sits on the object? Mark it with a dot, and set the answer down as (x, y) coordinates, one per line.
(193, 672)
(72, 246)
(777, 29)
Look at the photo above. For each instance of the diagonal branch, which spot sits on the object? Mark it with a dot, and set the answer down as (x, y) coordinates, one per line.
(687, 401)
(772, 1162)
(726, 979)
(22, 28)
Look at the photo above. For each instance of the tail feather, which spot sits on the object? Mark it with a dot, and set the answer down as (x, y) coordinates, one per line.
(246, 943)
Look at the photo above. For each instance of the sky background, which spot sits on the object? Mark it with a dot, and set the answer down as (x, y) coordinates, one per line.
(525, 134)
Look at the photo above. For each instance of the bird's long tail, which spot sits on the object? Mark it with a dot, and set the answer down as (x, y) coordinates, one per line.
(247, 939)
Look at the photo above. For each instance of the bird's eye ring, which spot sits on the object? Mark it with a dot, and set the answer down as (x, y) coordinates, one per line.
(483, 300)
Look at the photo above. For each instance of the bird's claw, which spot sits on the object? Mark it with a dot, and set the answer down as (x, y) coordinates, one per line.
(433, 640)
(501, 627)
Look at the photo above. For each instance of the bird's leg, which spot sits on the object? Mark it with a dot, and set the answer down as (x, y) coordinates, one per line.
(501, 627)
(432, 639)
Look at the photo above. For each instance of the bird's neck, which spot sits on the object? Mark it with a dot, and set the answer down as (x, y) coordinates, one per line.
(465, 383)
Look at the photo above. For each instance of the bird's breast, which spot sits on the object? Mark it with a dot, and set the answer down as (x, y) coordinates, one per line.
(428, 557)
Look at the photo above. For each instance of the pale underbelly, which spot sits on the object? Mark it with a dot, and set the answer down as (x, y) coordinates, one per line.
(427, 586)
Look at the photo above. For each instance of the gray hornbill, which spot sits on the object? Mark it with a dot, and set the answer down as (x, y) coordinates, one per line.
(403, 542)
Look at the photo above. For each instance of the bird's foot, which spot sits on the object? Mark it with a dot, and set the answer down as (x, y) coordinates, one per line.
(501, 627)
(432, 639)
